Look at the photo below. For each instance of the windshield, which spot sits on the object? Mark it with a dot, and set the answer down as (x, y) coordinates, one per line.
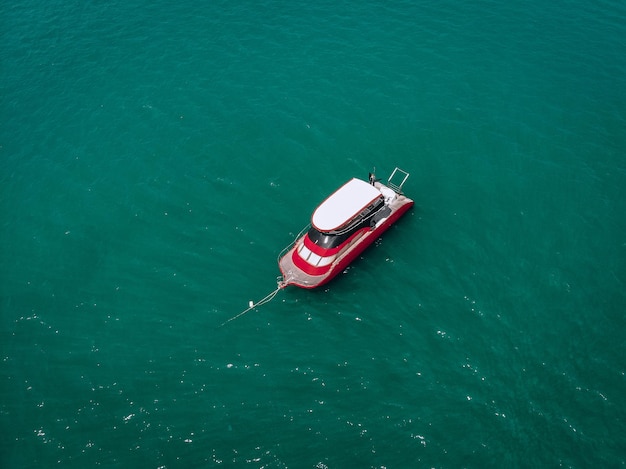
(326, 240)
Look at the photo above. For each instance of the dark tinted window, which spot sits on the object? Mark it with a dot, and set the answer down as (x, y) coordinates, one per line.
(328, 241)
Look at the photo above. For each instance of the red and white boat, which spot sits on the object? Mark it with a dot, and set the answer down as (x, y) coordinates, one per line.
(342, 226)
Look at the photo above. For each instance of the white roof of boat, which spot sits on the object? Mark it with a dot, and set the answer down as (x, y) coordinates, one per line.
(344, 204)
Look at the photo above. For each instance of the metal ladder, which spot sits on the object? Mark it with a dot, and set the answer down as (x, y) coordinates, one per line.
(401, 174)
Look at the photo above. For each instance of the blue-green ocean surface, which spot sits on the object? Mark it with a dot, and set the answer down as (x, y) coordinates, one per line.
(157, 156)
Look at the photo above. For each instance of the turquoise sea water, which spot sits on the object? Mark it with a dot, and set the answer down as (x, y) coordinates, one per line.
(157, 156)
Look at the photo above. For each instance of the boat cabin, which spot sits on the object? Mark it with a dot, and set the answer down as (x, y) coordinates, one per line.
(346, 204)
(350, 208)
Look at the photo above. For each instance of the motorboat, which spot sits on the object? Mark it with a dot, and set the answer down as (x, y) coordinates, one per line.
(341, 228)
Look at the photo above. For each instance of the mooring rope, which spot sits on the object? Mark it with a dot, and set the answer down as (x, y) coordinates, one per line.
(267, 299)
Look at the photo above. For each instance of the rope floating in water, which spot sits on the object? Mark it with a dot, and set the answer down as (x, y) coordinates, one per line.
(253, 305)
